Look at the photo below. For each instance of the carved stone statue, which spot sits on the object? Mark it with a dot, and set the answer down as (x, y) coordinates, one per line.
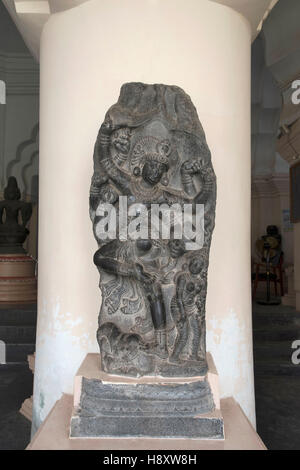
(14, 216)
(151, 157)
(152, 149)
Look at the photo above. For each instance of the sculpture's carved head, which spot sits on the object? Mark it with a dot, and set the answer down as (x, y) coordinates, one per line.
(153, 170)
(121, 140)
(12, 192)
(177, 248)
(196, 265)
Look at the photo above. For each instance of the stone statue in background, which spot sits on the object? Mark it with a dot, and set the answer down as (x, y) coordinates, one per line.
(151, 148)
(14, 216)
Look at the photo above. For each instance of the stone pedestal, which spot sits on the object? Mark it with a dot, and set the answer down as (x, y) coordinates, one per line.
(147, 407)
(18, 282)
(54, 434)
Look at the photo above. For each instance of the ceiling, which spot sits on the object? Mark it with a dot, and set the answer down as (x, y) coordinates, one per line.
(275, 65)
(31, 15)
(254, 10)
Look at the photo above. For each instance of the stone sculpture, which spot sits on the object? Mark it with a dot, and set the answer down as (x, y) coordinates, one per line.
(152, 149)
(14, 216)
(156, 379)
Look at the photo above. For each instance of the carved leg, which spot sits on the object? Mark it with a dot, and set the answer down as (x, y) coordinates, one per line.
(161, 344)
(180, 341)
(195, 330)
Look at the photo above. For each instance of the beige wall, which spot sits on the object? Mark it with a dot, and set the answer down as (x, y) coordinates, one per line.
(87, 53)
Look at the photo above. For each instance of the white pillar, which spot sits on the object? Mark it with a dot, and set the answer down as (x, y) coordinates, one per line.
(87, 53)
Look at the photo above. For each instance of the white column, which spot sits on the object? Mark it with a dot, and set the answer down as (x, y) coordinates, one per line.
(87, 53)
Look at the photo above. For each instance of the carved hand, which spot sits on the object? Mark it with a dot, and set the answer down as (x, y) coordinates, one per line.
(107, 127)
(192, 167)
(112, 124)
(140, 275)
(98, 180)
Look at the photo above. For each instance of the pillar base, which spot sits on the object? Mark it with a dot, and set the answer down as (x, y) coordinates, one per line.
(17, 278)
(148, 407)
(27, 405)
(26, 408)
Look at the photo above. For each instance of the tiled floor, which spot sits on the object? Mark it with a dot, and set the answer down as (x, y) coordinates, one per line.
(277, 380)
(15, 387)
(17, 329)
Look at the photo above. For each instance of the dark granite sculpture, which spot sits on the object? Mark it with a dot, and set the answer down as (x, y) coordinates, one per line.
(14, 216)
(152, 149)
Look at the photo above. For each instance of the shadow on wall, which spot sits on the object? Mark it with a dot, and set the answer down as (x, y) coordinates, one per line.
(25, 168)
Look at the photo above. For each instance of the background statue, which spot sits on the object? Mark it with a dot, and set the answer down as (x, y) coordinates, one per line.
(152, 149)
(14, 216)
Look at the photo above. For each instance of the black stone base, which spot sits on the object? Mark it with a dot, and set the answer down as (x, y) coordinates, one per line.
(166, 410)
(154, 427)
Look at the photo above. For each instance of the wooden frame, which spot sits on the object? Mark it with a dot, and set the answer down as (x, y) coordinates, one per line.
(295, 192)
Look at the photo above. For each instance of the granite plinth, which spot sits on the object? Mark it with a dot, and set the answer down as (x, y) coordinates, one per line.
(150, 407)
(54, 434)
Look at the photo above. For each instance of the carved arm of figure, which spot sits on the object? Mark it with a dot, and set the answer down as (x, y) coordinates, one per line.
(204, 172)
(188, 169)
(208, 185)
(105, 159)
(206, 195)
(180, 286)
(98, 181)
(105, 260)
